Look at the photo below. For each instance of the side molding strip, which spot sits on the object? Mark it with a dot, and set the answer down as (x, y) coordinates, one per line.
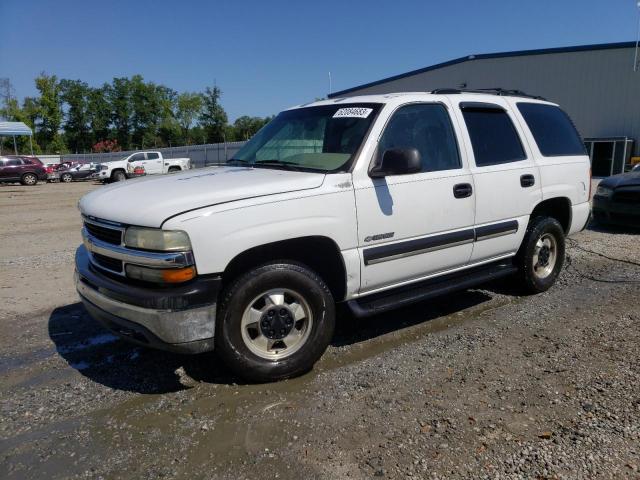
(385, 253)
(496, 230)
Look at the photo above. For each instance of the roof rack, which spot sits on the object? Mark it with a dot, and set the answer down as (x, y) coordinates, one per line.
(490, 91)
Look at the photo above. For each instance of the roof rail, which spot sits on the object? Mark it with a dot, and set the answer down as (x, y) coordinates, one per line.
(490, 91)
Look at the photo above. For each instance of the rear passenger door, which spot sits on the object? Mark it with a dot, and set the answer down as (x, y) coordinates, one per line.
(415, 225)
(506, 178)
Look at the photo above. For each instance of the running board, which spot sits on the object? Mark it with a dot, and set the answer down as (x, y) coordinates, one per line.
(402, 296)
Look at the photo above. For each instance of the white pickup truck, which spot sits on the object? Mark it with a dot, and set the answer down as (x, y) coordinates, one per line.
(375, 201)
(152, 162)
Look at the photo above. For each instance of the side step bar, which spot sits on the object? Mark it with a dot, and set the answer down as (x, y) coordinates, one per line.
(402, 296)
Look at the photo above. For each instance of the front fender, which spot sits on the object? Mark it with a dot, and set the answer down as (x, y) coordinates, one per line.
(220, 234)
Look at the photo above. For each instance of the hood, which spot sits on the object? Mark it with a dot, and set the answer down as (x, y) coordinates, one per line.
(629, 179)
(149, 201)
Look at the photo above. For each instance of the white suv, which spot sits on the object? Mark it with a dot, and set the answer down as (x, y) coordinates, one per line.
(376, 201)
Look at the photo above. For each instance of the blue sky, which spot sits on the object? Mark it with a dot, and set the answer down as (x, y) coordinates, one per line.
(268, 55)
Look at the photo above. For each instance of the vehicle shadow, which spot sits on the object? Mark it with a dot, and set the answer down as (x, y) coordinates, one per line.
(105, 358)
(109, 360)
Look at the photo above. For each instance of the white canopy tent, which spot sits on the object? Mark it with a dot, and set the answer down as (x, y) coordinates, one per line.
(15, 129)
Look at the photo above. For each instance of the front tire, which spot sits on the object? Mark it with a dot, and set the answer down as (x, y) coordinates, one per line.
(29, 179)
(66, 178)
(118, 176)
(274, 322)
(541, 254)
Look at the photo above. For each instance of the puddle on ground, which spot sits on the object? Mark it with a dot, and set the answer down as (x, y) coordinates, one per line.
(237, 422)
(217, 424)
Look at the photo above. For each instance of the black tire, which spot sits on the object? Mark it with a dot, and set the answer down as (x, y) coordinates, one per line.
(537, 277)
(29, 179)
(230, 344)
(118, 176)
(66, 178)
(174, 169)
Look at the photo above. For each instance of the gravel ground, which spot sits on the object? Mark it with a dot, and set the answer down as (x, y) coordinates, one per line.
(481, 384)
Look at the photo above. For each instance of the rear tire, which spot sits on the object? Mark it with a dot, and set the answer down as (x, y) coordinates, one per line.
(541, 254)
(274, 322)
(118, 176)
(29, 179)
(174, 169)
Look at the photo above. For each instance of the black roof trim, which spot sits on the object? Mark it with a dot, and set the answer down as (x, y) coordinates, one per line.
(519, 53)
(501, 92)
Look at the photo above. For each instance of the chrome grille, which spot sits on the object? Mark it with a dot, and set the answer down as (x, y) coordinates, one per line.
(104, 233)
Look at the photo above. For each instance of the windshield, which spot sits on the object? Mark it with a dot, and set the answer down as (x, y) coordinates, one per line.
(323, 138)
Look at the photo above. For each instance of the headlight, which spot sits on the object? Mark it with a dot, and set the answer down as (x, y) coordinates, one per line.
(604, 191)
(156, 239)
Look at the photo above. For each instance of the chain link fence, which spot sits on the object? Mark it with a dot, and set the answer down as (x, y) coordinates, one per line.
(200, 155)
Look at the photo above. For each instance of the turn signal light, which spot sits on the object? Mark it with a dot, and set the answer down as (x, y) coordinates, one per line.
(156, 275)
(178, 275)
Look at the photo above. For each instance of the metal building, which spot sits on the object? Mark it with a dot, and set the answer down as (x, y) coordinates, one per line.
(595, 84)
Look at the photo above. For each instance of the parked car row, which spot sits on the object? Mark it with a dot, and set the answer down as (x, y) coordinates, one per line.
(29, 170)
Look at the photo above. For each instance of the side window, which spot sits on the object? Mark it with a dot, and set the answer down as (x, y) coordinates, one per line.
(552, 129)
(493, 136)
(14, 162)
(152, 156)
(426, 127)
(137, 157)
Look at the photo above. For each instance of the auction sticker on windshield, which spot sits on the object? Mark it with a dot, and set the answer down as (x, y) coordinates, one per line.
(353, 112)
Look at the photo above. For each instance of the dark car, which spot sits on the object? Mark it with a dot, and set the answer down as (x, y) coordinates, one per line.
(78, 172)
(617, 200)
(26, 170)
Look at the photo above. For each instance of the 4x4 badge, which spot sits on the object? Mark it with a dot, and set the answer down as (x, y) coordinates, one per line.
(379, 236)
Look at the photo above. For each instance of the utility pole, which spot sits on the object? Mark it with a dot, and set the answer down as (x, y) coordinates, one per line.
(330, 78)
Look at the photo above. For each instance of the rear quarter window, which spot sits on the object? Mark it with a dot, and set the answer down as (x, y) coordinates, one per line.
(552, 130)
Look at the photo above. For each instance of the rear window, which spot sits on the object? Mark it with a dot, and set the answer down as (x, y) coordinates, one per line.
(493, 136)
(552, 129)
(152, 156)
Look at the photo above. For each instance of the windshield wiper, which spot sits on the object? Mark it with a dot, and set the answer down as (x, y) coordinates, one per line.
(279, 163)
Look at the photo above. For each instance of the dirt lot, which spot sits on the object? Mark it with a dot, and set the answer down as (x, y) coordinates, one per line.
(480, 384)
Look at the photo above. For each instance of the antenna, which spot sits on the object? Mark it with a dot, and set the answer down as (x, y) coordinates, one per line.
(635, 58)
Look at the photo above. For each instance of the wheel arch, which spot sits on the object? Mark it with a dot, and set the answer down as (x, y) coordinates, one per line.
(116, 170)
(319, 253)
(556, 207)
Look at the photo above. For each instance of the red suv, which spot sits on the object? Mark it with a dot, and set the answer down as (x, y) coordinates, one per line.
(26, 170)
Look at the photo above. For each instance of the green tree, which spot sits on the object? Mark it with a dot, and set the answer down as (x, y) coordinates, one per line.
(213, 117)
(188, 108)
(50, 114)
(99, 113)
(119, 98)
(75, 94)
(245, 127)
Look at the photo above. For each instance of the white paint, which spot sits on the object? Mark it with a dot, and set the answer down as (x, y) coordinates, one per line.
(226, 211)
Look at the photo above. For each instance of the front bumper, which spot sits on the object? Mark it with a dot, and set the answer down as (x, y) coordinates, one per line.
(607, 210)
(179, 319)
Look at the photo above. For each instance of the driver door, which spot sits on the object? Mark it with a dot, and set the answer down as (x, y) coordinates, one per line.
(414, 225)
(137, 160)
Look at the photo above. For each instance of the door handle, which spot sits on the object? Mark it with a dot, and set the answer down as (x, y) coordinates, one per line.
(527, 181)
(462, 190)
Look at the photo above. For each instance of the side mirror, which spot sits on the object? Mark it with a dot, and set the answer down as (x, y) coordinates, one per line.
(398, 161)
